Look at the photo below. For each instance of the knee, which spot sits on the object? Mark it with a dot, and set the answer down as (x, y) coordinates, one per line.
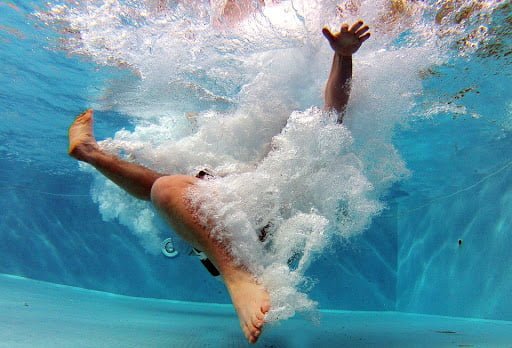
(161, 190)
(167, 188)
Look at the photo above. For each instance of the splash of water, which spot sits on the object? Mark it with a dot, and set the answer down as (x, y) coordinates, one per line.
(223, 97)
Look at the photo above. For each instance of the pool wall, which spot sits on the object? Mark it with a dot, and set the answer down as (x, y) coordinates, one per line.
(412, 264)
(454, 233)
(63, 239)
(409, 259)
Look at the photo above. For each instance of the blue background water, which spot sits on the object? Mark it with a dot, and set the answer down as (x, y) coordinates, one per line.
(408, 260)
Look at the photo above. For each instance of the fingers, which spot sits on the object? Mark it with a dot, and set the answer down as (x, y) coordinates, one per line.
(328, 35)
(364, 37)
(361, 31)
(355, 27)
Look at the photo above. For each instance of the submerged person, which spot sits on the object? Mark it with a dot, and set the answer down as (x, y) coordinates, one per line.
(170, 193)
(224, 12)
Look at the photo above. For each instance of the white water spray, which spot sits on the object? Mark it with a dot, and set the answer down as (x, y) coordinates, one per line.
(243, 101)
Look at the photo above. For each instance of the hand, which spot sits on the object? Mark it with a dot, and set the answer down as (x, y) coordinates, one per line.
(347, 41)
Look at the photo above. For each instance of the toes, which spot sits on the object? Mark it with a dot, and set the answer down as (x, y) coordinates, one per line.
(247, 332)
(257, 322)
(255, 332)
(260, 316)
(252, 328)
(265, 307)
(252, 334)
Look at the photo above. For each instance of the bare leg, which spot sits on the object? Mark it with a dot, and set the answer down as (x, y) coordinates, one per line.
(133, 178)
(169, 195)
(250, 299)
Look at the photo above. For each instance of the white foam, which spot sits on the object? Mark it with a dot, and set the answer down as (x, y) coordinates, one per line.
(218, 97)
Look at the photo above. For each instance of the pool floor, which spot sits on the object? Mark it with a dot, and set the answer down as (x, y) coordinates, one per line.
(39, 314)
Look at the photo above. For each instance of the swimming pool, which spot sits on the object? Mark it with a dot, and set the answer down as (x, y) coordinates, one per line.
(429, 123)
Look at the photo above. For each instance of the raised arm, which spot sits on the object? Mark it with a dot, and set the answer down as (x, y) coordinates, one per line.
(345, 44)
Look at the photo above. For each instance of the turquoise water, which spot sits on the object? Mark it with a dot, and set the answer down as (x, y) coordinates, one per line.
(85, 318)
(426, 148)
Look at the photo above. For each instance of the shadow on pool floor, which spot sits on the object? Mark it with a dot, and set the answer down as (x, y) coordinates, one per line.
(39, 314)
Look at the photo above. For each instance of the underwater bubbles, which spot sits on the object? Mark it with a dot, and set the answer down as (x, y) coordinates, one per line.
(241, 99)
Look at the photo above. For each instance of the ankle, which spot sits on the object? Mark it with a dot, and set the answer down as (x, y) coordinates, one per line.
(84, 152)
(238, 275)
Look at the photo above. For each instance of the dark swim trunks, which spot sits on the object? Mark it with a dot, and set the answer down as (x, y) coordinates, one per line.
(205, 175)
(206, 262)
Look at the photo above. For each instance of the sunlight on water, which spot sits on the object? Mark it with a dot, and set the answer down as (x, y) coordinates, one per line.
(213, 93)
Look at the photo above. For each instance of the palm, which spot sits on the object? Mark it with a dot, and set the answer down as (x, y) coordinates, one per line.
(348, 40)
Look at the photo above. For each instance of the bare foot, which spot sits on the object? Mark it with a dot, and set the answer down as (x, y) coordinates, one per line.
(81, 137)
(251, 302)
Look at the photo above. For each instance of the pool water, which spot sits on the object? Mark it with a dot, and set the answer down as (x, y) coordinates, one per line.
(85, 318)
(406, 207)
